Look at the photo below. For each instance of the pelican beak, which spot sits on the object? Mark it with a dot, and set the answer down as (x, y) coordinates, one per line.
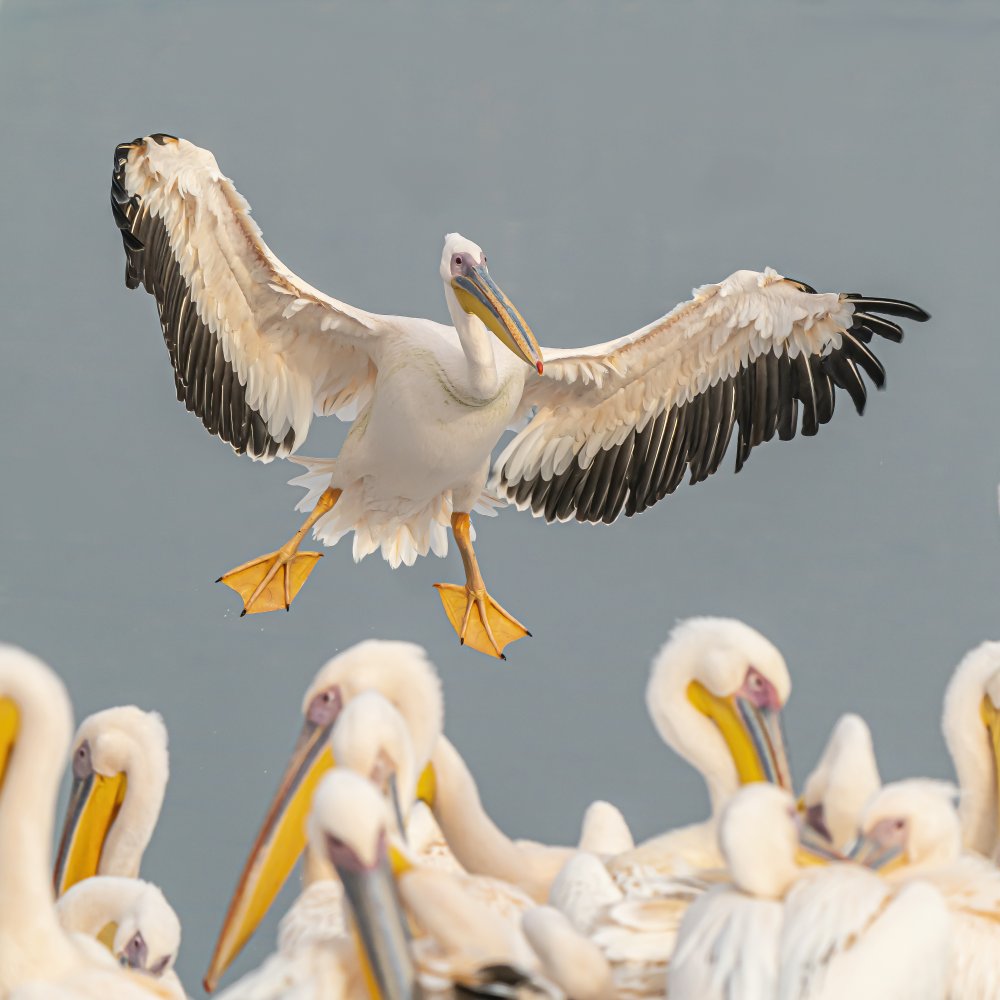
(753, 735)
(380, 926)
(94, 803)
(10, 723)
(479, 295)
(868, 850)
(279, 844)
(814, 848)
(991, 719)
(427, 786)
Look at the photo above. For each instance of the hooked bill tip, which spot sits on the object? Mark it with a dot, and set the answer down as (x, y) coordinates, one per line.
(538, 365)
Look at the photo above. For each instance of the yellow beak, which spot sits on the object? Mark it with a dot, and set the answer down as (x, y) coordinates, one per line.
(991, 719)
(94, 804)
(10, 723)
(479, 295)
(279, 844)
(752, 734)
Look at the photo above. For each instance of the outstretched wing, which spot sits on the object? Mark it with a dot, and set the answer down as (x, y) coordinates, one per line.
(618, 425)
(255, 349)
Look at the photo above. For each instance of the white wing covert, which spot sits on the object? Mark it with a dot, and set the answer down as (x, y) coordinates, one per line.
(618, 425)
(255, 349)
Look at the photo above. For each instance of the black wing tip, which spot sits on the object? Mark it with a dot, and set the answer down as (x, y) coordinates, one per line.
(890, 307)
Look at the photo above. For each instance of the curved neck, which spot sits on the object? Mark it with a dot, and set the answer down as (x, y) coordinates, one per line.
(32, 944)
(477, 345)
(475, 840)
(88, 906)
(975, 768)
(132, 829)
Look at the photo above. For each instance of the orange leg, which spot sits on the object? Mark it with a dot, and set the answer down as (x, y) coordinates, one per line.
(491, 628)
(272, 581)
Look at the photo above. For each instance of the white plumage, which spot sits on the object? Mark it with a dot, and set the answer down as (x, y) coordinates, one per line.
(257, 352)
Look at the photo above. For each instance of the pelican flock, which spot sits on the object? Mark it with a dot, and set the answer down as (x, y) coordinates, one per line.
(612, 427)
(846, 887)
(410, 889)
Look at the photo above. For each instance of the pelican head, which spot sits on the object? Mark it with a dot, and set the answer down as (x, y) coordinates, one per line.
(715, 695)
(371, 739)
(403, 675)
(349, 821)
(971, 727)
(130, 917)
(910, 824)
(759, 838)
(842, 783)
(471, 291)
(120, 768)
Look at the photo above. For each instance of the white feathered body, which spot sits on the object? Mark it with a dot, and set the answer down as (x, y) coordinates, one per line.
(419, 450)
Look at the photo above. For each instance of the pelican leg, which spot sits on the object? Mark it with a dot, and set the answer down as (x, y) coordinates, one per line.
(491, 628)
(272, 581)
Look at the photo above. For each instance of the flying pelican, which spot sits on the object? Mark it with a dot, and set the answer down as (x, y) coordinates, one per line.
(727, 944)
(120, 769)
(132, 918)
(256, 351)
(911, 831)
(37, 957)
(843, 781)
(971, 727)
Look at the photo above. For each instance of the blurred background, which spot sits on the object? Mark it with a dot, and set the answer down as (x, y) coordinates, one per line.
(609, 157)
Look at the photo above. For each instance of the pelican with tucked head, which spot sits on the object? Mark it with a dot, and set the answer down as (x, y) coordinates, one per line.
(256, 352)
(715, 694)
(120, 769)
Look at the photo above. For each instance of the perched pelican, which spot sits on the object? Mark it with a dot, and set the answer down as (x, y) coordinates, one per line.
(715, 695)
(727, 945)
(132, 918)
(257, 351)
(971, 726)
(842, 783)
(351, 824)
(37, 957)
(120, 770)
(911, 831)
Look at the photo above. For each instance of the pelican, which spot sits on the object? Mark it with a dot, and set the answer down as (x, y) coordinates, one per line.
(37, 957)
(843, 781)
(715, 695)
(727, 944)
(257, 351)
(911, 831)
(132, 918)
(971, 727)
(352, 825)
(402, 673)
(570, 960)
(120, 769)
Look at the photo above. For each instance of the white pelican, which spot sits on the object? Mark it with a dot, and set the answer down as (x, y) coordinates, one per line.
(971, 727)
(37, 957)
(352, 826)
(120, 769)
(715, 695)
(843, 781)
(402, 673)
(911, 830)
(727, 944)
(132, 918)
(257, 351)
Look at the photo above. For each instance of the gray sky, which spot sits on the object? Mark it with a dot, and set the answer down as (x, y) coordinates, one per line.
(608, 157)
